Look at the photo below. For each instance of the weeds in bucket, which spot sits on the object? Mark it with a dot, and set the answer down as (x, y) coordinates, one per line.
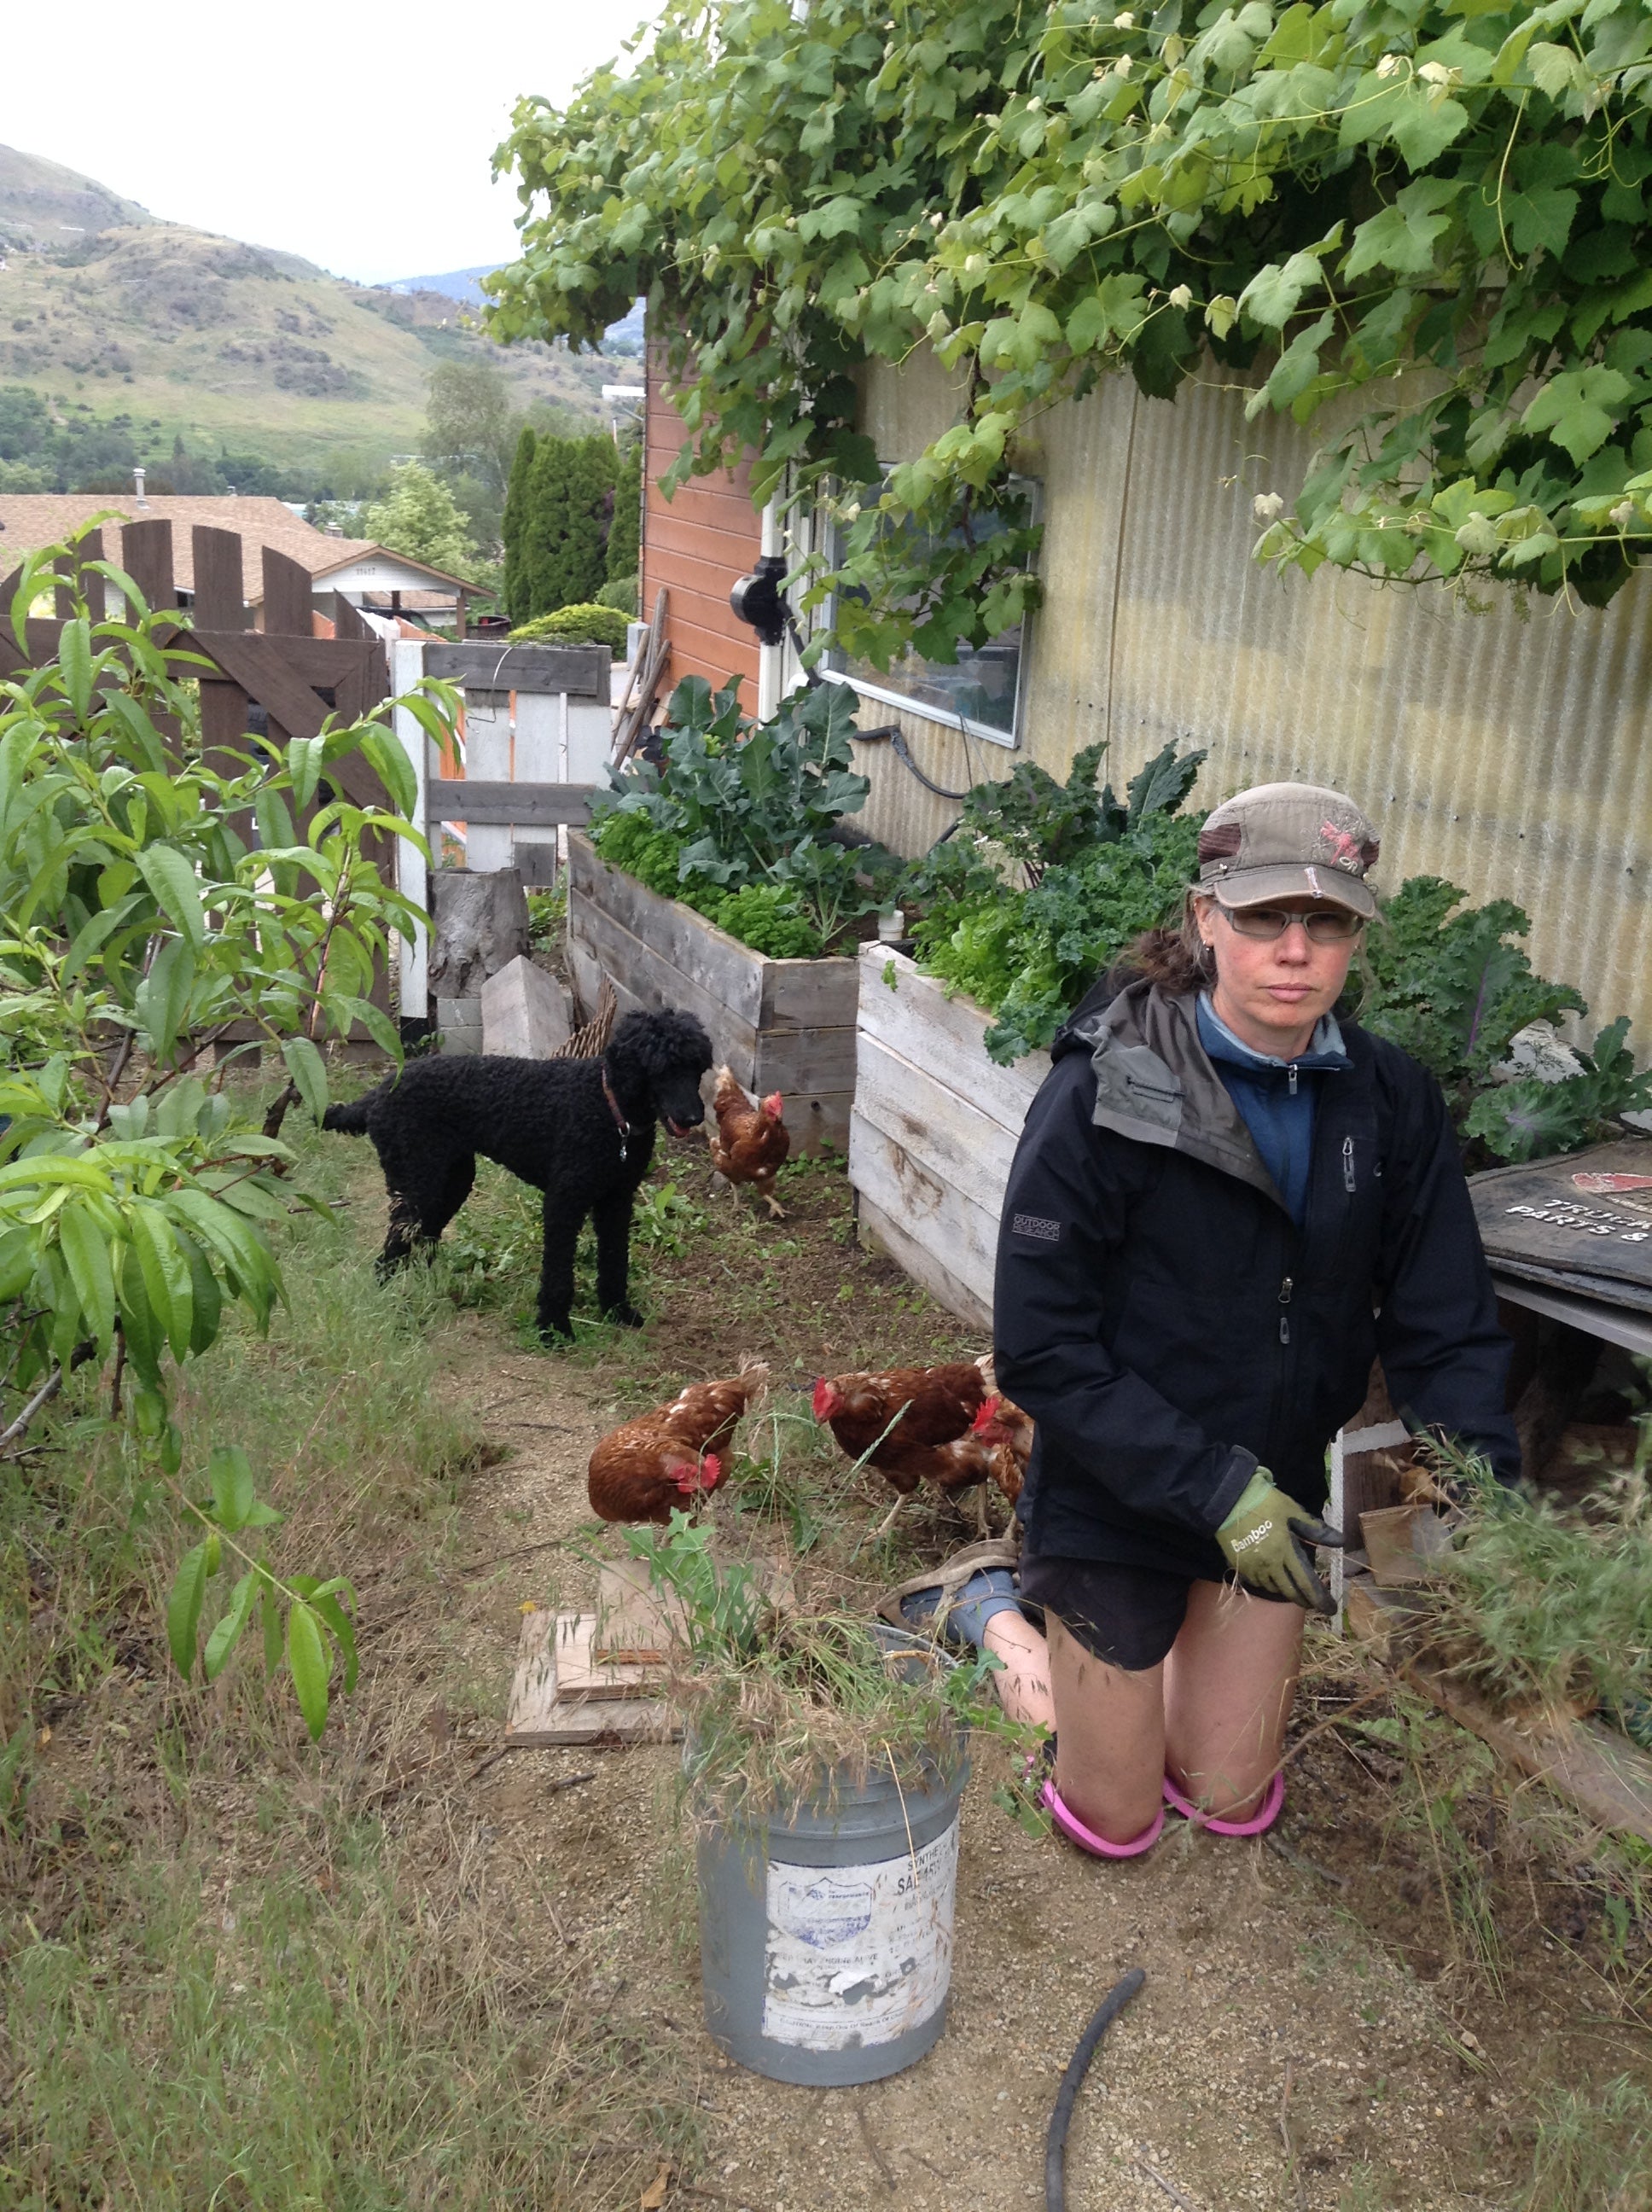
(781, 1709)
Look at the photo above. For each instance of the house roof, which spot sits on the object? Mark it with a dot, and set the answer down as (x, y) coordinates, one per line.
(348, 550)
(31, 520)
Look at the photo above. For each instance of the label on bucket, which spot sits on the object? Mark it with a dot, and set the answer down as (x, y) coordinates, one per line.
(859, 1954)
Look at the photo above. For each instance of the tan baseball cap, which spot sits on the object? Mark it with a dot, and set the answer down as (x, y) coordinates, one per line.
(1288, 840)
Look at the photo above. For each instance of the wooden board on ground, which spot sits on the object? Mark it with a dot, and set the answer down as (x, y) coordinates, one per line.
(542, 1715)
(637, 1620)
(1601, 1773)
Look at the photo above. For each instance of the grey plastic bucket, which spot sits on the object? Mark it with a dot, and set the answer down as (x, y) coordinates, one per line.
(826, 1940)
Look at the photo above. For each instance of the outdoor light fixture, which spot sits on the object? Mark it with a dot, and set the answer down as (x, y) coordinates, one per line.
(758, 600)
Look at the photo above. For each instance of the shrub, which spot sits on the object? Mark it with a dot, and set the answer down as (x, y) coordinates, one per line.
(624, 592)
(587, 624)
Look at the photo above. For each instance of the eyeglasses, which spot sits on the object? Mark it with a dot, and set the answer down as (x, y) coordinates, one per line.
(1333, 926)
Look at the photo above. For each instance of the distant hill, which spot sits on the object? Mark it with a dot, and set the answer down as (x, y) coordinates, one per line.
(44, 205)
(464, 285)
(168, 332)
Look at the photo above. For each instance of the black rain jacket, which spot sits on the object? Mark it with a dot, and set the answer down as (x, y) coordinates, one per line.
(1170, 1327)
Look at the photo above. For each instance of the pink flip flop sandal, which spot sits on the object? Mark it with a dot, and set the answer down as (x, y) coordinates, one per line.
(1262, 1819)
(1086, 1838)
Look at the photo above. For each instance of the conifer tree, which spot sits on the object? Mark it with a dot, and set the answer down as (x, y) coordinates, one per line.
(513, 529)
(565, 538)
(625, 534)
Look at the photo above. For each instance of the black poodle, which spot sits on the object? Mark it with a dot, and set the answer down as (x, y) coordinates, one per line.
(582, 1131)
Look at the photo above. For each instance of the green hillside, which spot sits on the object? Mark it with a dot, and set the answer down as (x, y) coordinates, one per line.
(172, 332)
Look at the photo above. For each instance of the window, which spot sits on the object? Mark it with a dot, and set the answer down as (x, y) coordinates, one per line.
(982, 691)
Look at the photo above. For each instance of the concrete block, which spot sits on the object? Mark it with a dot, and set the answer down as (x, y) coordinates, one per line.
(524, 1012)
(460, 1022)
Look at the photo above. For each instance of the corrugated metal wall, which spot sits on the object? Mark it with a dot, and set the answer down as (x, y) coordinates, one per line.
(1507, 750)
(695, 545)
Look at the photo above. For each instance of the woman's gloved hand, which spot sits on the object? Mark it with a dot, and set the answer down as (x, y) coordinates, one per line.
(1260, 1542)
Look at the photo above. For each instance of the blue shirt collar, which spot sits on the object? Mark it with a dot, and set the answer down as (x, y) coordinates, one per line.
(1325, 1048)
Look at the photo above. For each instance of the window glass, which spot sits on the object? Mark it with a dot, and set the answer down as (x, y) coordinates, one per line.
(982, 687)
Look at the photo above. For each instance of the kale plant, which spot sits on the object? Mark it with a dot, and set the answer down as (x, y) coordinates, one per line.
(740, 807)
(1454, 990)
(1097, 871)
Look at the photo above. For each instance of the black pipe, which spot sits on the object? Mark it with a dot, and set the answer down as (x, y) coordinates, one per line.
(1055, 2143)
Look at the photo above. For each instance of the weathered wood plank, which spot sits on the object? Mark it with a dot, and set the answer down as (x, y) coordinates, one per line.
(287, 593)
(476, 800)
(881, 1232)
(581, 671)
(718, 963)
(944, 1220)
(644, 976)
(1600, 1771)
(804, 1060)
(815, 1118)
(936, 1127)
(811, 994)
(918, 1021)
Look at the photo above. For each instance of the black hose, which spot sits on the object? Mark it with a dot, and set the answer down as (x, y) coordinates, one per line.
(1055, 2143)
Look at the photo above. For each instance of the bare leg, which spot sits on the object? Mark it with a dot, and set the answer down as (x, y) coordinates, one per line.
(1023, 1686)
(1229, 1684)
(1111, 1761)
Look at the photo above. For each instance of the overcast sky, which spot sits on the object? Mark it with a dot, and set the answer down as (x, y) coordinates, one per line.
(359, 138)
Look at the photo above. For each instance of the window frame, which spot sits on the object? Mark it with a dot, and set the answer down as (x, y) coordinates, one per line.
(886, 695)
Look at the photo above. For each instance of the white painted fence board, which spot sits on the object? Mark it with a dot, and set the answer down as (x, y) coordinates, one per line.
(406, 664)
(538, 755)
(486, 760)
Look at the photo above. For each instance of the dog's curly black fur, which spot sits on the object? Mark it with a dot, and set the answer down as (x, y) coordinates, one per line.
(548, 1122)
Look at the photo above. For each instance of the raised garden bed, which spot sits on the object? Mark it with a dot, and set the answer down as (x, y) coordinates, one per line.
(934, 1130)
(785, 1025)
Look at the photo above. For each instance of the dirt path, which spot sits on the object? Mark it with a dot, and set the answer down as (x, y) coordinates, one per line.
(1283, 2052)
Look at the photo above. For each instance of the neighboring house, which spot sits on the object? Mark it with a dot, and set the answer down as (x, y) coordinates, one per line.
(695, 546)
(367, 574)
(1498, 738)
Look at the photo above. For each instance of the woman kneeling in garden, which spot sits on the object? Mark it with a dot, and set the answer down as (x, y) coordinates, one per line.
(1224, 1206)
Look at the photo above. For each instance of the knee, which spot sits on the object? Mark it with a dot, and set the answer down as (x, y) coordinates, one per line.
(1118, 1808)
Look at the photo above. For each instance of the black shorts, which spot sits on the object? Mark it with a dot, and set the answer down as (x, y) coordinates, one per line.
(1128, 1616)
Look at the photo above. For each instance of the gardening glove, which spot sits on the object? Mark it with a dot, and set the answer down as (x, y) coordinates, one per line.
(1260, 1543)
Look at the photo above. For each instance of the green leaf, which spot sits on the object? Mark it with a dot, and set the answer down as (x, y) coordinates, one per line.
(305, 757)
(228, 1633)
(1572, 408)
(308, 1071)
(1423, 129)
(269, 1623)
(387, 757)
(310, 1664)
(163, 996)
(74, 659)
(1272, 292)
(172, 879)
(234, 1495)
(85, 1245)
(1402, 237)
(183, 1608)
(1542, 216)
(164, 1273)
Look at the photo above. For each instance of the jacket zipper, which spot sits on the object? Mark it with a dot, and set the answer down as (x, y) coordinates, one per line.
(1284, 1318)
(1348, 1183)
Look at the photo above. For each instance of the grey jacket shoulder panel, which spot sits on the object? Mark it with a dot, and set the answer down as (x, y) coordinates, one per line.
(1154, 1083)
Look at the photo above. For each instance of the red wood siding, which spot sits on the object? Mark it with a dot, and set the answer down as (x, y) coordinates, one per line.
(694, 546)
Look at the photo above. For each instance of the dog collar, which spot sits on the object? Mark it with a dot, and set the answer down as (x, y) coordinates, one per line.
(620, 1121)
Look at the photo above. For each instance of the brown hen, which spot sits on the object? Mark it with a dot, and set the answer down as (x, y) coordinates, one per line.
(667, 1459)
(749, 1144)
(930, 1441)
